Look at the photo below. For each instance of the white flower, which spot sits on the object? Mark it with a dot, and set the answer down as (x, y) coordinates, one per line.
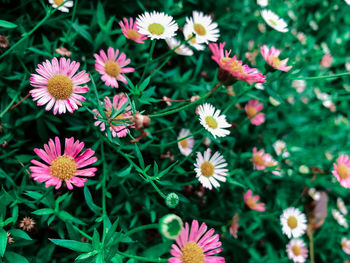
(262, 3)
(314, 194)
(274, 21)
(297, 250)
(185, 145)
(299, 85)
(194, 42)
(259, 86)
(339, 218)
(181, 50)
(203, 27)
(347, 1)
(280, 148)
(170, 226)
(64, 4)
(293, 222)
(156, 25)
(341, 206)
(210, 170)
(212, 121)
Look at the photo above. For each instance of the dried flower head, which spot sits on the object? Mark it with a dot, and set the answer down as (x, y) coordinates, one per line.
(4, 42)
(27, 224)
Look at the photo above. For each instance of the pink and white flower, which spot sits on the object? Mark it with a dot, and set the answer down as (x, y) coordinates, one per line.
(271, 58)
(58, 86)
(253, 108)
(130, 31)
(252, 201)
(341, 170)
(345, 244)
(234, 226)
(196, 245)
(111, 67)
(326, 61)
(118, 123)
(232, 66)
(297, 250)
(259, 159)
(66, 167)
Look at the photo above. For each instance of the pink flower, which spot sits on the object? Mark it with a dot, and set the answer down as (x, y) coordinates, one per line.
(234, 226)
(252, 108)
(66, 167)
(252, 201)
(341, 170)
(297, 250)
(196, 245)
(232, 66)
(259, 159)
(345, 243)
(271, 58)
(111, 67)
(326, 60)
(58, 86)
(118, 124)
(130, 30)
(270, 162)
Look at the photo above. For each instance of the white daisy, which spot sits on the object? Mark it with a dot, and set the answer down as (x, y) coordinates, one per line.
(64, 4)
(341, 206)
(280, 148)
(297, 250)
(262, 3)
(314, 194)
(156, 25)
(212, 121)
(185, 145)
(203, 27)
(293, 222)
(274, 21)
(210, 170)
(181, 50)
(194, 42)
(339, 218)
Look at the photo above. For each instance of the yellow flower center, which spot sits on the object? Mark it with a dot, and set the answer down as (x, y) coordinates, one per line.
(258, 160)
(192, 38)
(272, 22)
(58, 2)
(207, 169)
(60, 87)
(133, 34)
(211, 122)
(275, 61)
(63, 167)
(292, 222)
(156, 29)
(251, 203)
(192, 253)
(183, 143)
(343, 171)
(199, 29)
(117, 119)
(232, 64)
(251, 112)
(296, 250)
(112, 69)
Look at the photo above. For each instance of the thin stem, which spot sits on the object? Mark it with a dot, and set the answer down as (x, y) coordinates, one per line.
(18, 103)
(104, 213)
(141, 228)
(142, 258)
(82, 232)
(324, 77)
(149, 59)
(185, 106)
(312, 258)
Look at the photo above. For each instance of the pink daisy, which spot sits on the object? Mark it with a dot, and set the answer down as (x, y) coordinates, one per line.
(252, 108)
(252, 201)
(234, 226)
(66, 167)
(271, 58)
(326, 61)
(111, 67)
(341, 170)
(259, 159)
(130, 30)
(297, 250)
(118, 124)
(58, 86)
(196, 245)
(233, 67)
(345, 244)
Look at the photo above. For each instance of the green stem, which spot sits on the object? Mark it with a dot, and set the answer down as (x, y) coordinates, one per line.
(149, 59)
(185, 106)
(82, 232)
(141, 228)
(324, 77)
(26, 35)
(142, 258)
(176, 141)
(104, 213)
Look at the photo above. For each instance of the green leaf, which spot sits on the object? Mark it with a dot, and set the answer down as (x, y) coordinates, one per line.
(111, 231)
(88, 198)
(100, 14)
(82, 31)
(7, 24)
(43, 211)
(20, 234)
(96, 239)
(139, 157)
(15, 258)
(3, 241)
(72, 245)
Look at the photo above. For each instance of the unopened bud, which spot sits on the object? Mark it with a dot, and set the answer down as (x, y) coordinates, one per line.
(172, 200)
